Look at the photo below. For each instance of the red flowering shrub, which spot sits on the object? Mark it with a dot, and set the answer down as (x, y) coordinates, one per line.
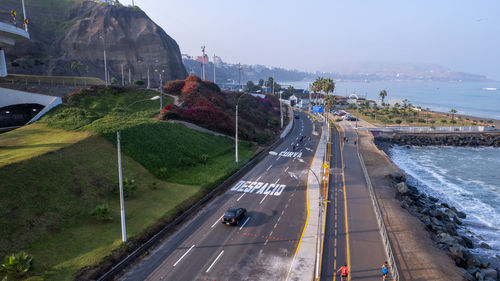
(204, 104)
(174, 87)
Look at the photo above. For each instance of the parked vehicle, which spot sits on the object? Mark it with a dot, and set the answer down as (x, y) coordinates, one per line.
(234, 215)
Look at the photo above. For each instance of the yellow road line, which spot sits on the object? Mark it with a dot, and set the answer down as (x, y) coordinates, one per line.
(345, 217)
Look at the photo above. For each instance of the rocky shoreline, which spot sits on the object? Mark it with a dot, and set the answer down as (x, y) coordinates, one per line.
(444, 222)
(439, 138)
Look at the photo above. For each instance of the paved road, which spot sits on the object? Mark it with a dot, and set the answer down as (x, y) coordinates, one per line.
(263, 245)
(363, 249)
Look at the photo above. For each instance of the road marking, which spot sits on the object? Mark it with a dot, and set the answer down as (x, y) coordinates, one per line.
(183, 255)
(217, 221)
(216, 259)
(265, 243)
(258, 178)
(287, 168)
(263, 199)
(269, 167)
(240, 197)
(245, 222)
(275, 225)
(277, 181)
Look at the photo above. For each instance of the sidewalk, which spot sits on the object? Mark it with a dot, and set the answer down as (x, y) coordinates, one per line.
(304, 262)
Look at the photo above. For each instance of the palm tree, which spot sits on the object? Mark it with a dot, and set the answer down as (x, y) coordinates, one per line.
(382, 95)
(328, 85)
(330, 101)
(317, 86)
(453, 111)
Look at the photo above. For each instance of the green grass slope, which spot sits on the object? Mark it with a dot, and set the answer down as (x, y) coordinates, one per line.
(55, 172)
(47, 200)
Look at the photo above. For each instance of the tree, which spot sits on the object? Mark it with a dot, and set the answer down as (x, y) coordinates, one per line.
(453, 111)
(288, 92)
(382, 95)
(330, 101)
(270, 82)
(251, 87)
(317, 86)
(327, 85)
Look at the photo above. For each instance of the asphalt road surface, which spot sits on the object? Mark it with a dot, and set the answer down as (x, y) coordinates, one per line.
(361, 247)
(264, 243)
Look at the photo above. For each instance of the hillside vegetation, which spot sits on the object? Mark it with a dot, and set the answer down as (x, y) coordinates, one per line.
(61, 204)
(205, 104)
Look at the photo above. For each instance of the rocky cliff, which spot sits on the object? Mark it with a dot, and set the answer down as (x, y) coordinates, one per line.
(69, 37)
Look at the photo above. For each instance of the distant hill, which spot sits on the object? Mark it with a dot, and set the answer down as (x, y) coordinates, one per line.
(228, 72)
(68, 38)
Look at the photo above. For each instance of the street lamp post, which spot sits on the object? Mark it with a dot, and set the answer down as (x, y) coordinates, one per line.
(120, 173)
(236, 133)
(203, 63)
(161, 88)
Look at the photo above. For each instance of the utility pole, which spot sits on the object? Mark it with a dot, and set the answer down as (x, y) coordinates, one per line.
(203, 63)
(239, 71)
(214, 70)
(148, 78)
(105, 68)
(123, 81)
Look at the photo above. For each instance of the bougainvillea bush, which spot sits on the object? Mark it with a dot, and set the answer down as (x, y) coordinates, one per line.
(203, 103)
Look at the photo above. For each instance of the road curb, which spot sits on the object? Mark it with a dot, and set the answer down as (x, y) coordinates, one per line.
(303, 265)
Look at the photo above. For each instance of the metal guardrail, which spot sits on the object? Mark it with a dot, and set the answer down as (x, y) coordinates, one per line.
(380, 220)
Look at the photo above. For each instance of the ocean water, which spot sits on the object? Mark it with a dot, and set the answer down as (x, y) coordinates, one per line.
(481, 99)
(464, 177)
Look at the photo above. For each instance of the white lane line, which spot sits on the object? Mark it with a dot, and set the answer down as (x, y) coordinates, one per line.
(269, 168)
(277, 181)
(265, 243)
(258, 178)
(216, 259)
(217, 220)
(183, 255)
(279, 218)
(287, 168)
(262, 199)
(240, 197)
(275, 225)
(271, 233)
(245, 222)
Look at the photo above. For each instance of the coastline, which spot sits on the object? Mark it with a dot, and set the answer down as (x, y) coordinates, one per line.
(416, 254)
(447, 228)
(424, 246)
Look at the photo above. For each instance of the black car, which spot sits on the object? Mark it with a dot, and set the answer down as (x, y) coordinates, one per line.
(233, 215)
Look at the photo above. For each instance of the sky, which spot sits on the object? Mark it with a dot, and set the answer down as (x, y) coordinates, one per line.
(321, 35)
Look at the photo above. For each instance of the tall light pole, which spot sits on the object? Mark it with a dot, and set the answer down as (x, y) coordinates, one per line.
(25, 18)
(105, 63)
(236, 131)
(161, 88)
(239, 75)
(203, 63)
(281, 112)
(214, 70)
(120, 173)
